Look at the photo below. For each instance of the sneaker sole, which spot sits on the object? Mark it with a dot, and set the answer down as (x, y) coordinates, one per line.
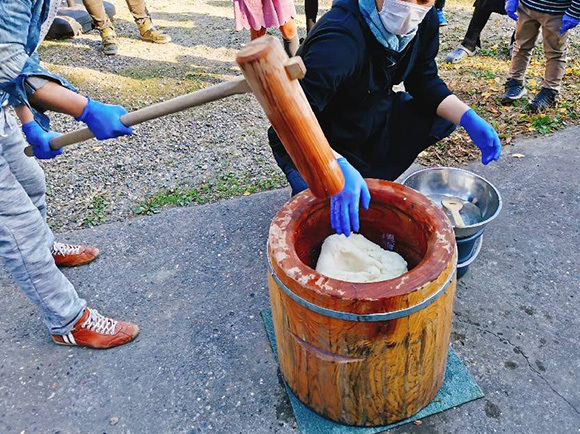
(153, 41)
(64, 344)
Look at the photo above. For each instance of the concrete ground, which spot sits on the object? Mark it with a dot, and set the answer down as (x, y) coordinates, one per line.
(194, 280)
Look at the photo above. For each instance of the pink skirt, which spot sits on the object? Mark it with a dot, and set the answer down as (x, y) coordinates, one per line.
(256, 14)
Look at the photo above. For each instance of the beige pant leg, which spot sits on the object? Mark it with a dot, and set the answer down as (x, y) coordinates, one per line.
(555, 50)
(527, 30)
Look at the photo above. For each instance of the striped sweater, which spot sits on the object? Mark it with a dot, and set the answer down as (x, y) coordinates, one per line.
(555, 7)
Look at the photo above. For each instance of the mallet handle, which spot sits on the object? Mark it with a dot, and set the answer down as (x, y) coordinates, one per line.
(236, 86)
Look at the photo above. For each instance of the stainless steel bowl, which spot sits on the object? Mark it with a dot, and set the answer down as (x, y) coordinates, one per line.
(482, 201)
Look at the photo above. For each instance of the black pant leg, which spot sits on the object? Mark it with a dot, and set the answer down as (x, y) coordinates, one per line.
(478, 21)
(439, 4)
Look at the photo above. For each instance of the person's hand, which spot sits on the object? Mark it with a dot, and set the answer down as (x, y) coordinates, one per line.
(344, 205)
(511, 7)
(40, 139)
(103, 120)
(568, 23)
(483, 135)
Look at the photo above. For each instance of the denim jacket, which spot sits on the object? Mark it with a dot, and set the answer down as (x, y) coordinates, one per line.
(20, 24)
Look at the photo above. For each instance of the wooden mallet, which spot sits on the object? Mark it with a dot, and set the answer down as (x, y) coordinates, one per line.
(274, 80)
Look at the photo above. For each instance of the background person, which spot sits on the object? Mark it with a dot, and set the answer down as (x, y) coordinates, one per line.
(354, 56)
(260, 15)
(103, 24)
(472, 40)
(555, 18)
(27, 244)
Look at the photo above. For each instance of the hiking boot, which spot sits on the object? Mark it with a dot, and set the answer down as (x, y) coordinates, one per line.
(514, 90)
(150, 33)
(459, 54)
(441, 18)
(94, 330)
(67, 255)
(545, 99)
(109, 41)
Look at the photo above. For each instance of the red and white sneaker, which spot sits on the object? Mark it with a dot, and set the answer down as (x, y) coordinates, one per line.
(94, 330)
(68, 255)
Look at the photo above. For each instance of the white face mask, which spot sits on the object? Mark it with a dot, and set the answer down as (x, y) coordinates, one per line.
(400, 17)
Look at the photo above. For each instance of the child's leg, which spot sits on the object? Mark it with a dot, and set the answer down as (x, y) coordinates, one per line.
(311, 11)
(555, 49)
(254, 34)
(527, 30)
(290, 35)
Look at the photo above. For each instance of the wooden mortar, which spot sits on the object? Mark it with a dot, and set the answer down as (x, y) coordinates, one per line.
(366, 354)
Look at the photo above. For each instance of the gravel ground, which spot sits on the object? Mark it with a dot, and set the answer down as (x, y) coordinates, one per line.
(220, 148)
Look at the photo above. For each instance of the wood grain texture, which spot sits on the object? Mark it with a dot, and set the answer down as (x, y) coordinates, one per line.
(263, 62)
(364, 373)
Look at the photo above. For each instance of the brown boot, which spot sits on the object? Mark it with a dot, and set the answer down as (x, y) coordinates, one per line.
(150, 33)
(109, 41)
(67, 255)
(94, 330)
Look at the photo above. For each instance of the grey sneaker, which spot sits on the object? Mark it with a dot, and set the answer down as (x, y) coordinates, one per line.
(458, 54)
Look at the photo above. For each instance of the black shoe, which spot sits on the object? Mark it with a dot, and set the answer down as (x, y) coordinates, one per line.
(544, 99)
(514, 90)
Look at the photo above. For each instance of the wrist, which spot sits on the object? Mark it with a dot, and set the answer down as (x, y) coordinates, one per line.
(28, 127)
(467, 118)
(86, 107)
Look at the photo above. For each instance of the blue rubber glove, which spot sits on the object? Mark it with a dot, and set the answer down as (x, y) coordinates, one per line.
(344, 205)
(568, 23)
(483, 135)
(103, 120)
(40, 139)
(511, 7)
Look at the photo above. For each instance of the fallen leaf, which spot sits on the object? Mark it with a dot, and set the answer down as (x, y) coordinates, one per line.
(114, 420)
(97, 148)
(418, 422)
(518, 155)
(532, 82)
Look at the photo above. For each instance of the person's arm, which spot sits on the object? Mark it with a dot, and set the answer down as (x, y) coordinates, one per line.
(482, 133)
(54, 97)
(24, 114)
(452, 109)
(423, 82)
(15, 17)
(331, 58)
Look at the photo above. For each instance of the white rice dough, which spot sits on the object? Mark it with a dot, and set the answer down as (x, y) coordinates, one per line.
(356, 259)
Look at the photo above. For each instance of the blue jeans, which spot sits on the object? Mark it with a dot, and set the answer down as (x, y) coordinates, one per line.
(25, 238)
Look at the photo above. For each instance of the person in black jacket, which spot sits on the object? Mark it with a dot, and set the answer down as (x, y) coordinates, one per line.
(354, 56)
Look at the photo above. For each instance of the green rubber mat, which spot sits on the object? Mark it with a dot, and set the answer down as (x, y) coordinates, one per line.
(458, 388)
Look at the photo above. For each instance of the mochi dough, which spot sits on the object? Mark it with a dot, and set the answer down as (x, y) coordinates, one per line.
(356, 259)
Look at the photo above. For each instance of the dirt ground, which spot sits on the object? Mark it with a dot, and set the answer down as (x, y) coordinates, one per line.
(220, 150)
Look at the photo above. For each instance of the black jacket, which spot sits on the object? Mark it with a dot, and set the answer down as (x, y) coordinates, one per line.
(349, 82)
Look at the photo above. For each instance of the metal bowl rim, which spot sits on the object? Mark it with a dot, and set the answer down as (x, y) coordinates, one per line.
(481, 223)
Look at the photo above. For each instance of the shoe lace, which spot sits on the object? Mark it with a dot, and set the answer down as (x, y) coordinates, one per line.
(65, 249)
(99, 323)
